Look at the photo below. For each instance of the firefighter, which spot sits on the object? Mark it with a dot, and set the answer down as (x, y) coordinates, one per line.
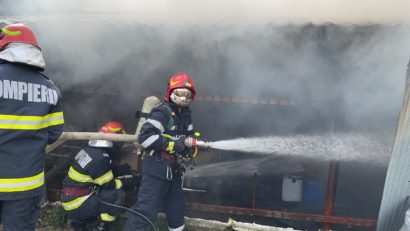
(162, 137)
(91, 179)
(30, 118)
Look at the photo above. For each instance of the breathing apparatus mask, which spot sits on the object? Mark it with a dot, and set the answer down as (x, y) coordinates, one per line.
(182, 97)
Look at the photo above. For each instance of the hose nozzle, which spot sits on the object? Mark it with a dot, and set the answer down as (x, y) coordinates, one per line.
(191, 142)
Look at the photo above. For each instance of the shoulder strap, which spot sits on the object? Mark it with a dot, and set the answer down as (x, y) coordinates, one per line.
(140, 114)
(167, 107)
(170, 120)
(44, 76)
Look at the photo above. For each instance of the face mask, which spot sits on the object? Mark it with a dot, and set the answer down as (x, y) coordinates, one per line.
(181, 97)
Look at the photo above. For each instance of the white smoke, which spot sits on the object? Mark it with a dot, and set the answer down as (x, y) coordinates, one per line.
(231, 48)
(230, 11)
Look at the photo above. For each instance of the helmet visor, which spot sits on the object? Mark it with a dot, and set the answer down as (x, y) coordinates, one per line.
(181, 96)
(183, 92)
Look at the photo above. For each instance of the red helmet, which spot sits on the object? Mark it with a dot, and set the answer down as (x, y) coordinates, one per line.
(113, 127)
(181, 80)
(17, 33)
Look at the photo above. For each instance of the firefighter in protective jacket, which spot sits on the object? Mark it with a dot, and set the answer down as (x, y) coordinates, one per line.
(30, 118)
(162, 137)
(91, 178)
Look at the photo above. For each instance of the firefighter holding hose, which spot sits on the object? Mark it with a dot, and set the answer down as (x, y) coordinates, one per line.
(93, 180)
(30, 118)
(163, 137)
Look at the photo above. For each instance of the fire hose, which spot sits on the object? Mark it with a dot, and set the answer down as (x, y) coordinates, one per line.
(131, 211)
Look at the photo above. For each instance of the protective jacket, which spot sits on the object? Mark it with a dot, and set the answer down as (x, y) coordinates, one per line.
(30, 118)
(165, 120)
(90, 170)
(161, 180)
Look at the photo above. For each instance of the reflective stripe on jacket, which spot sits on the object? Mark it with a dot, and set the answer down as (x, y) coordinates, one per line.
(21, 122)
(30, 118)
(21, 184)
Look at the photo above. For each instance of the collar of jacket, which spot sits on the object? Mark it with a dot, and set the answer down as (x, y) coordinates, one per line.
(175, 108)
(24, 54)
(114, 152)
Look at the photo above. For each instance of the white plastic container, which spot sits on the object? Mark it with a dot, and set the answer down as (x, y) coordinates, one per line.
(292, 188)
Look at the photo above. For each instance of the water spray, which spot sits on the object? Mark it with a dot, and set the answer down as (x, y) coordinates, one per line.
(325, 146)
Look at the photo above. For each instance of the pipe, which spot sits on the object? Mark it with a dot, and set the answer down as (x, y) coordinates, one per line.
(331, 191)
(54, 145)
(92, 136)
(349, 221)
(97, 136)
(50, 174)
(255, 176)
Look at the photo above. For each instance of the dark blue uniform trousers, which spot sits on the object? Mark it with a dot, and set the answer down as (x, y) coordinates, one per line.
(92, 207)
(153, 194)
(20, 215)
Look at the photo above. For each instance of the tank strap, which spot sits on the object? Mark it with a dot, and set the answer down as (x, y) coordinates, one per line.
(170, 120)
(140, 114)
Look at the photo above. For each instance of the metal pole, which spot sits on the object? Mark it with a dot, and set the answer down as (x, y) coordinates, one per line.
(255, 176)
(349, 221)
(92, 136)
(331, 191)
(50, 174)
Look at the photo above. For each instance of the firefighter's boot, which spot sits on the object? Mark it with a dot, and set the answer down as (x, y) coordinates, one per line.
(78, 225)
(102, 226)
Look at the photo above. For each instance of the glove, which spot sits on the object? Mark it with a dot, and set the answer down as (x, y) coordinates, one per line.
(176, 145)
(120, 170)
(131, 182)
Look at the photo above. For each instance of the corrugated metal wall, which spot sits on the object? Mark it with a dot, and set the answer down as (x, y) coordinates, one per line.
(397, 184)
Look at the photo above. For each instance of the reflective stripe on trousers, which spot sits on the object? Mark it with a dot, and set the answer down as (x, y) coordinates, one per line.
(107, 217)
(74, 204)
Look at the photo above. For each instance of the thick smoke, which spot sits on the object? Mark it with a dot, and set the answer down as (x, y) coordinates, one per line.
(106, 56)
(341, 62)
(226, 11)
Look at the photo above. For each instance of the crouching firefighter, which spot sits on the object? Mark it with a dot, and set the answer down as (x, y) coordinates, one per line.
(163, 136)
(90, 182)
